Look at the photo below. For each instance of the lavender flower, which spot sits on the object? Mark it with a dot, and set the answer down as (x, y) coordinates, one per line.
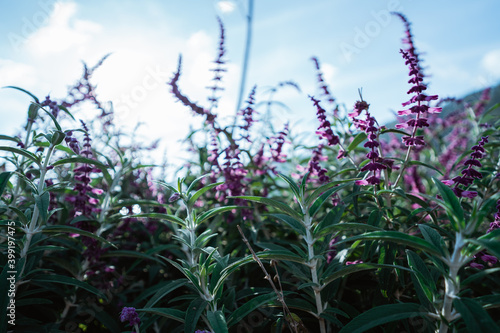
(218, 70)
(416, 78)
(370, 127)
(209, 116)
(130, 315)
(314, 168)
(325, 128)
(247, 115)
(469, 174)
(52, 105)
(322, 84)
(277, 151)
(496, 223)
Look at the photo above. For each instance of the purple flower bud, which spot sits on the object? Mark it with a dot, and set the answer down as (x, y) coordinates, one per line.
(130, 315)
(174, 197)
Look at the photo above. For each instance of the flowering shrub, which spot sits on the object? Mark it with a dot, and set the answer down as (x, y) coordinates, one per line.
(374, 228)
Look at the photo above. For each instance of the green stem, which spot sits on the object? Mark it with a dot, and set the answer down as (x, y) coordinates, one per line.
(33, 228)
(452, 283)
(313, 265)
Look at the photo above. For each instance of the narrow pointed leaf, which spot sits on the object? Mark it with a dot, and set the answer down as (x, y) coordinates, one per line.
(292, 185)
(396, 237)
(68, 281)
(291, 222)
(475, 317)
(283, 208)
(383, 314)
(198, 193)
(217, 321)
(193, 313)
(161, 216)
(165, 312)
(453, 207)
(74, 230)
(239, 314)
(22, 152)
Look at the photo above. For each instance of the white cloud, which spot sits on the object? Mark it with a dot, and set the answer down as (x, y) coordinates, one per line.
(491, 62)
(62, 32)
(226, 6)
(16, 74)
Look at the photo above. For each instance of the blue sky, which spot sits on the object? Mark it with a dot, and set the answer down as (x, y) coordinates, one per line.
(42, 44)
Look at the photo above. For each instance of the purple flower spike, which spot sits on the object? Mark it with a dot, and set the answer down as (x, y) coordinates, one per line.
(469, 174)
(325, 128)
(419, 110)
(130, 315)
(371, 129)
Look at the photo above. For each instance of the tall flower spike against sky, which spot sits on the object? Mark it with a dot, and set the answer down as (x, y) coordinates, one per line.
(43, 43)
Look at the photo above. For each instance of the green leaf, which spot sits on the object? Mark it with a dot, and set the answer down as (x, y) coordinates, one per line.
(215, 211)
(74, 230)
(332, 218)
(130, 254)
(425, 165)
(356, 141)
(280, 255)
(291, 222)
(422, 274)
(68, 281)
(193, 313)
(383, 314)
(164, 291)
(492, 245)
(217, 321)
(4, 180)
(322, 198)
(161, 216)
(283, 208)
(82, 160)
(9, 138)
(395, 237)
(247, 308)
(198, 193)
(191, 187)
(349, 269)
(434, 238)
(24, 91)
(22, 152)
(475, 317)
(52, 117)
(165, 312)
(349, 226)
(292, 185)
(20, 214)
(43, 202)
(452, 205)
(322, 189)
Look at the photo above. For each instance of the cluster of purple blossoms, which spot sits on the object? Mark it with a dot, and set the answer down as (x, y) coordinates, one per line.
(322, 84)
(483, 256)
(209, 116)
(84, 90)
(314, 168)
(247, 114)
(369, 126)
(325, 128)
(420, 109)
(72, 142)
(496, 223)
(129, 314)
(52, 105)
(278, 140)
(218, 70)
(84, 204)
(469, 174)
